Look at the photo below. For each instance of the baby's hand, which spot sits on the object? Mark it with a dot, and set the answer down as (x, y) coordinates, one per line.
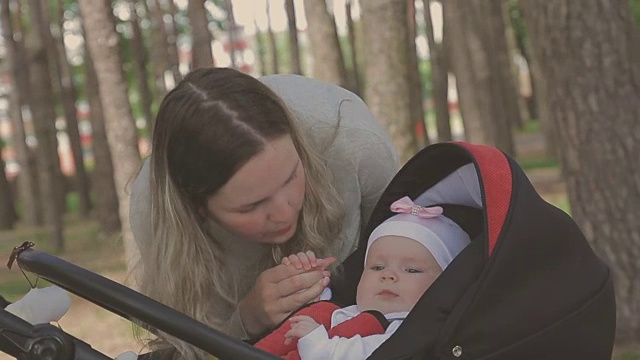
(301, 326)
(307, 261)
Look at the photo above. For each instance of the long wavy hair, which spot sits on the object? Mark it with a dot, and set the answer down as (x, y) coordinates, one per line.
(207, 128)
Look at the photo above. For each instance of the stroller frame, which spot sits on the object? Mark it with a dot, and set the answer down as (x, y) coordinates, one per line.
(19, 338)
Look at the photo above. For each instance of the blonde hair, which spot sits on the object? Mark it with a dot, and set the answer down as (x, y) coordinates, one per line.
(179, 235)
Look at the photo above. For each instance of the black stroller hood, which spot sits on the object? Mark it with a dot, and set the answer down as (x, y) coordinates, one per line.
(528, 286)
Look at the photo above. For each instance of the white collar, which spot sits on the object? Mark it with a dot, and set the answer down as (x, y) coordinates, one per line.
(348, 312)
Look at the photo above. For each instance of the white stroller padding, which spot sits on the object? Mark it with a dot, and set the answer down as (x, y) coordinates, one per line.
(41, 306)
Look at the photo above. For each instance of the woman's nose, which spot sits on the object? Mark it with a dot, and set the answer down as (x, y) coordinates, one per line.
(281, 211)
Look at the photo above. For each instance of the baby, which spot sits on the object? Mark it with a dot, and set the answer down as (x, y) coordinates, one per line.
(405, 255)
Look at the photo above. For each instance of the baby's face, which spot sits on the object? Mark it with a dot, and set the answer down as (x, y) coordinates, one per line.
(397, 272)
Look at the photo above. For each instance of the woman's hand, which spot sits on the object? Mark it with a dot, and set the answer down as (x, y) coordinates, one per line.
(281, 290)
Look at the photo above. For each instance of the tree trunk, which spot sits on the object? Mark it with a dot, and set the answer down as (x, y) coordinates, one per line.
(159, 53)
(44, 115)
(140, 61)
(522, 45)
(172, 40)
(273, 45)
(514, 73)
(231, 33)
(328, 62)
(27, 181)
(52, 60)
(102, 40)
(387, 90)
(439, 79)
(294, 47)
(414, 77)
(460, 42)
(542, 107)
(164, 45)
(589, 56)
(201, 36)
(354, 83)
(106, 209)
(476, 45)
(507, 100)
(8, 215)
(261, 50)
(539, 91)
(66, 87)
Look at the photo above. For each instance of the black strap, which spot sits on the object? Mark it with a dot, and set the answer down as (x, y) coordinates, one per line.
(384, 322)
(3, 302)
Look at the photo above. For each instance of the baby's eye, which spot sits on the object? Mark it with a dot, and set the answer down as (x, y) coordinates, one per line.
(413, 271)
(377, 267)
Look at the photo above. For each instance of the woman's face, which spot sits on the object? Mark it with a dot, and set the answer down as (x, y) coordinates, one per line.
(262, 200)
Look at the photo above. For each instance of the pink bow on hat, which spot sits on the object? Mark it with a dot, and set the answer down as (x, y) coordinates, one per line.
(406, 206)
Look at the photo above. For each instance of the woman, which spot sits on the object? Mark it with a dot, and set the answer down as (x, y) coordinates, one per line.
(242, 173)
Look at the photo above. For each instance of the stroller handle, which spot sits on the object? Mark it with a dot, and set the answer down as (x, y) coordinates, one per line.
(131, 304)
(22, 340)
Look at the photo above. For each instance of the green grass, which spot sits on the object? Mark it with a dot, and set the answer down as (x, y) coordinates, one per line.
(631, 352)
(532, 163)
(532, 126)
(73, 202)
(628, 355)
(84, 247)
(77, 232)
(561, 201)
(538, 162)
(14, 288)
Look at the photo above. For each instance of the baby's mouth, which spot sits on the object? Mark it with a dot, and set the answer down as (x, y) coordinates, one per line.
(387, 293)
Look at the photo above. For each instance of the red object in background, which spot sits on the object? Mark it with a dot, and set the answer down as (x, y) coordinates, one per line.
(238, 45)
(419, 129)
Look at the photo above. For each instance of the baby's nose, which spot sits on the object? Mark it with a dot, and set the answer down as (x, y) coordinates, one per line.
(389, 275)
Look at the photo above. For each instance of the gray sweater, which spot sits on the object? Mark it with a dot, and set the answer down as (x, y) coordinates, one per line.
(362, 160)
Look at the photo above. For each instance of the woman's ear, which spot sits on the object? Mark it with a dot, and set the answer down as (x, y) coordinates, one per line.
(199, 206)
(203, 214)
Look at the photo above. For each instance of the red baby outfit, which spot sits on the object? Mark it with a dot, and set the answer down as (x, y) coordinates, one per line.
(364, 324)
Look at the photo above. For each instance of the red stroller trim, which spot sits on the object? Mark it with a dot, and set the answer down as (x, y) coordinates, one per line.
(496, 181)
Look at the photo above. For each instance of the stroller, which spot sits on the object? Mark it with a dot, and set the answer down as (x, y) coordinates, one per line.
(528, 286)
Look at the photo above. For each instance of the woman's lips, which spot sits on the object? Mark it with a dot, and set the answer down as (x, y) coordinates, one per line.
(280, 232)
